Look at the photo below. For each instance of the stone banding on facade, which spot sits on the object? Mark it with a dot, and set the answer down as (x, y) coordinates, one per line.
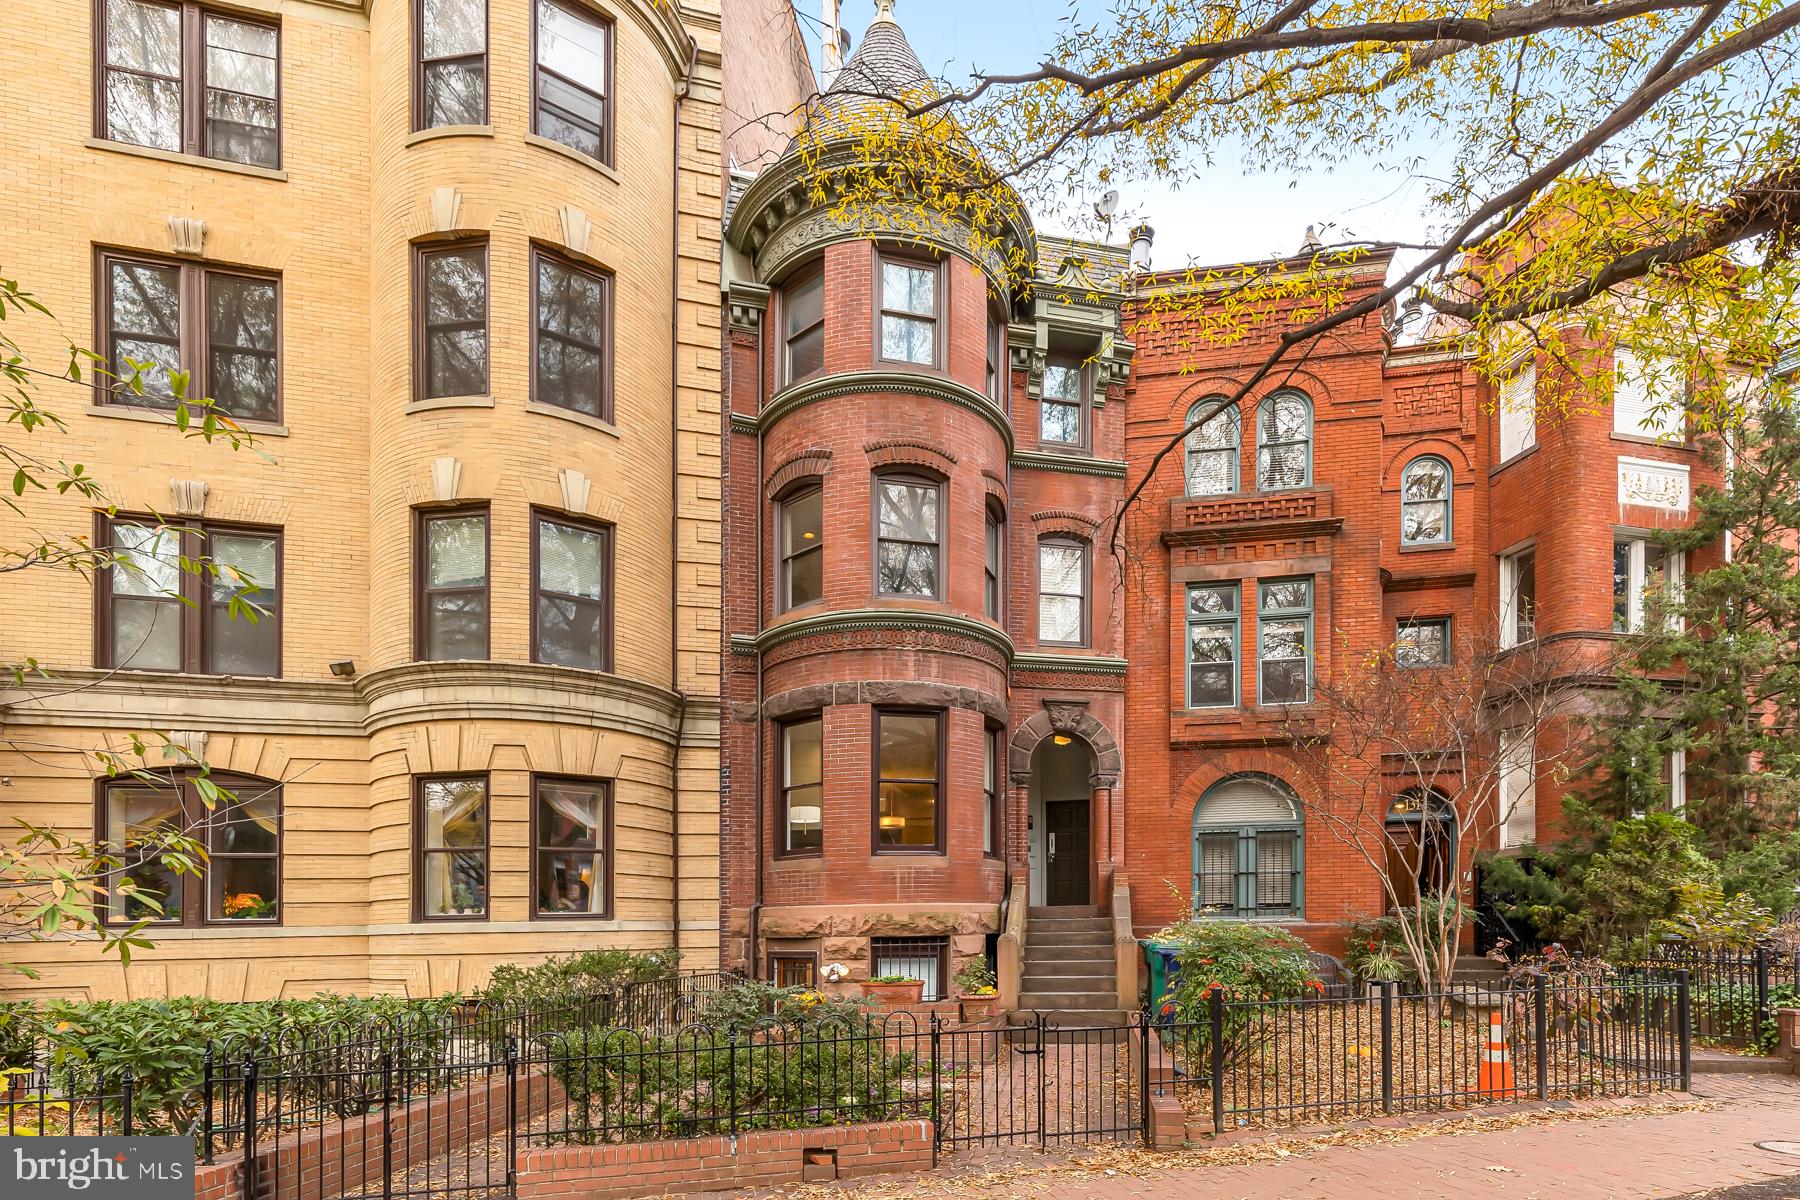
(883, 692)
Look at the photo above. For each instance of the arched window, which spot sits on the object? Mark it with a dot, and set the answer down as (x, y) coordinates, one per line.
(1248, 842)
(1425, 501)
(1284, 442)
(1212, 450)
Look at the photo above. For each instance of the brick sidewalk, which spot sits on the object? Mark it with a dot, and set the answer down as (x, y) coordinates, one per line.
(1609, 1158)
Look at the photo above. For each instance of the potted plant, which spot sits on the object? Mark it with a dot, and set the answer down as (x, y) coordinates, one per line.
(976, 990)
(894, 991)
(462, 897)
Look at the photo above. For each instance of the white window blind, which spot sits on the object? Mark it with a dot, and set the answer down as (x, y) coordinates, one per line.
(1518, 789)
(1518, 413)
(1647, 395)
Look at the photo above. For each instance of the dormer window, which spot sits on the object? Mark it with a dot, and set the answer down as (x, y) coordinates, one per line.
(1060, 409)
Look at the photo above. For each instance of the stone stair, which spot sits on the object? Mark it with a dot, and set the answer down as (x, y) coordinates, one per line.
(1069, 968)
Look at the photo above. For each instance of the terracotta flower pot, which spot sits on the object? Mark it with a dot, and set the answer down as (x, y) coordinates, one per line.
(976, 1009)
(908, 994)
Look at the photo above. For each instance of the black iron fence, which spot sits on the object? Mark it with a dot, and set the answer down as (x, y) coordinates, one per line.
(1388, 1051)
(441, 1109)
(1734, 992)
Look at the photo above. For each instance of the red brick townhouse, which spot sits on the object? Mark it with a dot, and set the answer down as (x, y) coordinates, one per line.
(951, 726)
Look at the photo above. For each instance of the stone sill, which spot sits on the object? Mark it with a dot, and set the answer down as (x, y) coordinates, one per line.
(569, 152)
(190, 160)
(157, 416)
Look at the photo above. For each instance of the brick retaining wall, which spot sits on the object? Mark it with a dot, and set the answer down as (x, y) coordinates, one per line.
(718, 1163)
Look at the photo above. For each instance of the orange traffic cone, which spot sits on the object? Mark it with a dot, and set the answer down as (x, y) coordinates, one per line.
(1496, 1075)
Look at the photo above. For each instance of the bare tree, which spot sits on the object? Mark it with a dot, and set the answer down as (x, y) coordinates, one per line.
(1415, 765)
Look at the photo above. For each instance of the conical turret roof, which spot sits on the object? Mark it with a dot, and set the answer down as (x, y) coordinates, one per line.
(883, 65)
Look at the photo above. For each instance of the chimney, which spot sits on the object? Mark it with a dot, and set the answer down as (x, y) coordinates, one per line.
(831, 55)
(1141, 237)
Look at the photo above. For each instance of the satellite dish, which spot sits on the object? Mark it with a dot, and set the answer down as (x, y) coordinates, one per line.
(1107, 205)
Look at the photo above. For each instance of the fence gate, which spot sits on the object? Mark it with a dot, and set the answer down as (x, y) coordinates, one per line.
(1037, 1083)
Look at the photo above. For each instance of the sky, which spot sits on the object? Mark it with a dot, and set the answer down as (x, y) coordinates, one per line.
(1230, 217)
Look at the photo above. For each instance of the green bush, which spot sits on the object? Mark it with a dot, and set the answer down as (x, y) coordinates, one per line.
(753, 1005)
(1768, 870)
(1244, 963)
(575, 978)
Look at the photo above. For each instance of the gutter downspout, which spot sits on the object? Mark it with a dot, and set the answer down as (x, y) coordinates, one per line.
(681, 699)
(756, 907)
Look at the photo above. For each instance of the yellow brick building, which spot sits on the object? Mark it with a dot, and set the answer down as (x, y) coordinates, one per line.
(459, 261)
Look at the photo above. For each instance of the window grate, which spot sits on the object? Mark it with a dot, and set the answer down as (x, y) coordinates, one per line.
(916, 958)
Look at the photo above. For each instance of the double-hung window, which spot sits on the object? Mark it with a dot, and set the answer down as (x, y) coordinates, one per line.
(570, 865)
(451, 569)
(1061, 406)
(1516, 793)
(800, 765)
(189, 80)
(998, 374)
(1284, 641)
(201, 598)
(993, 566)
(803, 326)
(1421, 643)
(908, 536)
(908, 318)
(221, 325)
(1062, 592)
(1518, 412)
(237, 820)
(993, 786)
(450, 84)
(1518, 597)
(801, 567)
(1284, 441)
(1649, 394)
(1212, 449)
(570, 618)
(1425, 502)
(450, 297)
(1213, 636)
(572, 88)
(572, 367)
(909, 781)
(1647, 578)
(451, 837)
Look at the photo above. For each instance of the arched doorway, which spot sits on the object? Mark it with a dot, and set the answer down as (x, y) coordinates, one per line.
(1060, 829)
(1421, 844)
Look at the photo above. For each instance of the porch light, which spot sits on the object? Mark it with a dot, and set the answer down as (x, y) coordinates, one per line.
(1061, 739)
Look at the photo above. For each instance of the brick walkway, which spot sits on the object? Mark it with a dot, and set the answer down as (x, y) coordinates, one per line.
(1610, 1158)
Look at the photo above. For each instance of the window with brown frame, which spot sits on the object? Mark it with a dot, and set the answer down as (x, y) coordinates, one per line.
(800, 767)
(236, 818)
(450, 55)
(993, 784)
(451, 839)
(802, 553)
(571, 89)
(220, 324)
(794, 970)
(450, 548)
(994, 563)
(997, 373)
(908, 311)
(220, 615)
(572, 367)
(571, 863)
(1062, 410)
(909, 781)
(450, 298)
(188, 79)
(803, 325)
(571, 609)
(908, 536)
(1062, 592)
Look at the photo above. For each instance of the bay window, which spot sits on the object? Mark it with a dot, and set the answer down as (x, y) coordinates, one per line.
(909, 781)
(908, 316)
(800, 766)
(451, 573)
(1284, 641)
(908, 536)
(451, 836)
(1213, 635)
(571, 622)
(570, 864)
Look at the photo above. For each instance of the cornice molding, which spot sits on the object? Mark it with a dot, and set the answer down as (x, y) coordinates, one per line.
(1081, 664)
(142, 700)
(879, 618)
(1069, 464)
(851, 383)
(746, 304)
(412, 693)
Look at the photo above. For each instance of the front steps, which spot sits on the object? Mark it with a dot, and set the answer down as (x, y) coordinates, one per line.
(1069, 970)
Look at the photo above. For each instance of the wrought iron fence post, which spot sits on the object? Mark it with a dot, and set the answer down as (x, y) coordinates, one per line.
(1146, 1032)
(248, 1111)
(731, 1079)
(1387, 1048)
(1043, 1064)
(937, 1129)
(1215, 1019)
(125, 1081)
(1540, 1003)
(1762, 994)
(512, 1114)
(1684, 1029)
(387, 1123)
(206, 1099)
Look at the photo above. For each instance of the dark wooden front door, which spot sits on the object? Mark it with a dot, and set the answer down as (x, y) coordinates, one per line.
(1066, 823)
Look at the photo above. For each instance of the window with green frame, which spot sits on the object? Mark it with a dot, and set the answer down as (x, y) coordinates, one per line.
(1249, 844)
(1284, 641)
(1213, 635)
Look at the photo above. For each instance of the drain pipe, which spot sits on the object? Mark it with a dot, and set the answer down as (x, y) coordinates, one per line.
(755, 921)
(681, 699)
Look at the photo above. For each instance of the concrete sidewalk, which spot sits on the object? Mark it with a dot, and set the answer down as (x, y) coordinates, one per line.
(1585, 1157)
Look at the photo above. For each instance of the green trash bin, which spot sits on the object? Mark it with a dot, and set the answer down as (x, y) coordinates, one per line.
(1161, 959)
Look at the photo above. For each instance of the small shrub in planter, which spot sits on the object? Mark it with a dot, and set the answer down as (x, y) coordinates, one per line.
(894, 991)
(977, 989)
